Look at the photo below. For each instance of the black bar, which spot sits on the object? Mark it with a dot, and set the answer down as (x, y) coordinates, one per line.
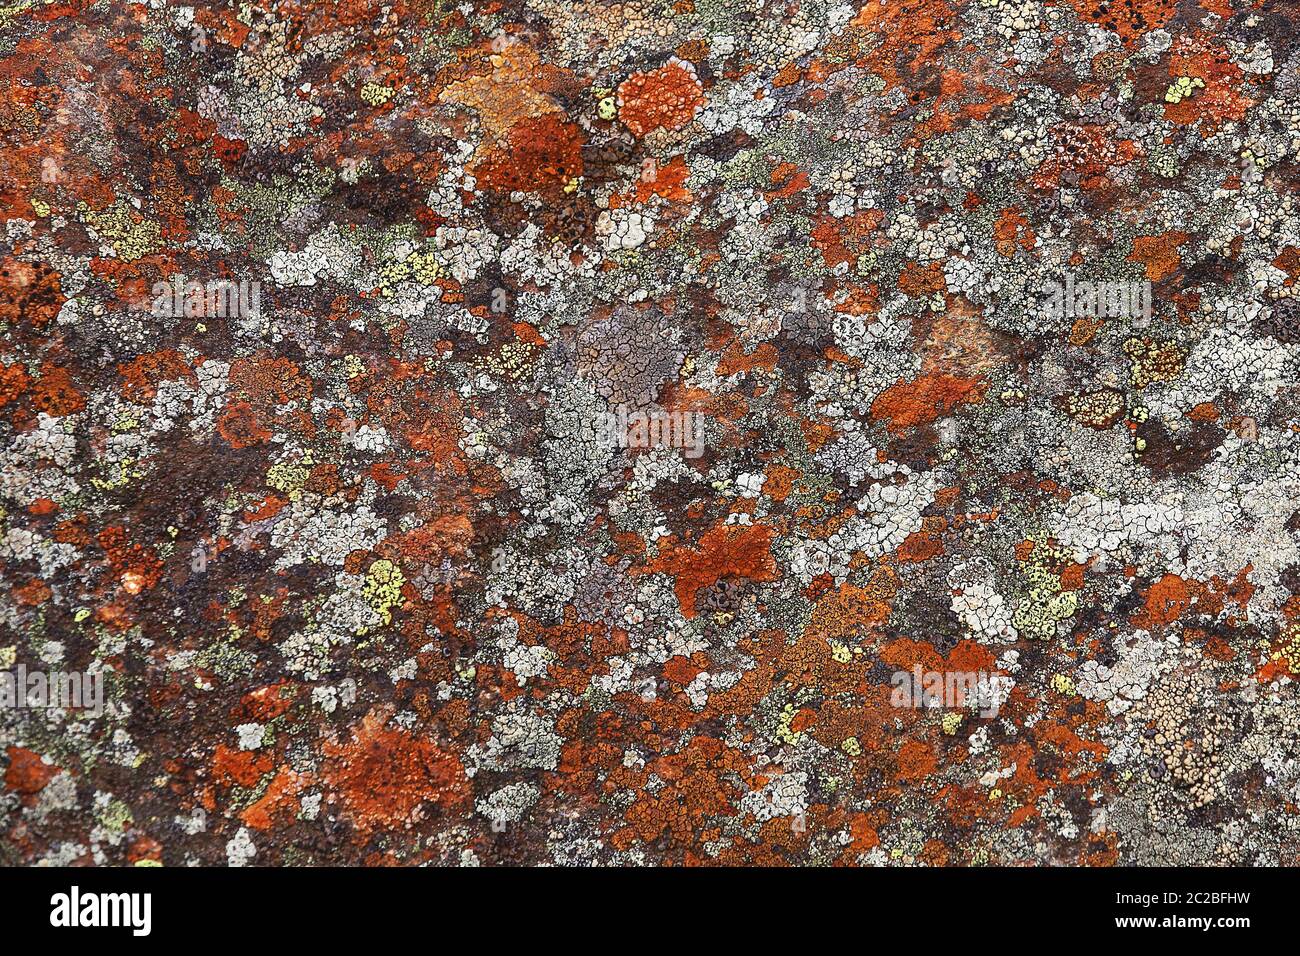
(297, 906)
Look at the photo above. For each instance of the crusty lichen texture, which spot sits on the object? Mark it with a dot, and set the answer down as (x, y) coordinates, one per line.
(651, 433)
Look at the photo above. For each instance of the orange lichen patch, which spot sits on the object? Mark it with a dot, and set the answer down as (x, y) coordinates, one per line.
(698, 787)
(1025, 786)
(143, 374)
(916, 760)
(788, 180)
(982, 97)
(386, 475)
(912, 34)
(384, 774)
(541, 154)
(1168, 599)
(229, 151)
(1159, 253)
(852, 710)
(528, 334)
(946, 497)
(920, 282)
(863, 834)
(240, 427)
(926, 543)
(1213, 597)
(803, 719)
(779, 481)
(1214, 647)
(788, 75)
(14, 380)
(1068, 742)
(32, 593)
(666, 98)
(1083, 153)
(55, 394)
(72, 531)
(816, 434)
(30, 293)
(853, 612)
(681, 670)
(1288, 261)
(1222, 98)
(1012, 227)
(43, 507)
(948, 108)
(572, 637)
(267, 703)
(905, 404)
(736, 361)
(27, 772)
(1274, 669)
(268, 507)
(268, 381)
(905, 654)
(449, 534)
(966, 805)
(934, 853)
(1072, 577)
(517, 87)
(667, 182)
(144, 848)
(859, 300)
(730, 551)
(970, 657)
(1084, 330)
(242, 767)
(692, 50)
(138, 566)
(430, 423)
(280, 802)
(828, 236)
